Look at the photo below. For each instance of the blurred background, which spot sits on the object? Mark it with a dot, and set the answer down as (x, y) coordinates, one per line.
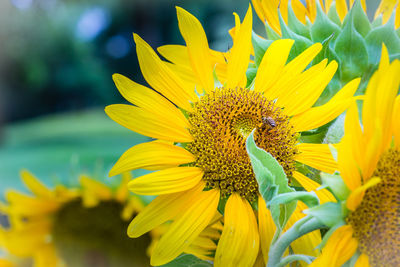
(56, 62)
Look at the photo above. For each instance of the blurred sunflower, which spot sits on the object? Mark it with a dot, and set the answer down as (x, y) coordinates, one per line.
(85, 226)
(202, 129)
(267, 10)
(369, 164)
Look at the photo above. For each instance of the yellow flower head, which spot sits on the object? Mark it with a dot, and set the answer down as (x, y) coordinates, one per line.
(369, 163)
(267, 10)
(54, 227)
(202, 112)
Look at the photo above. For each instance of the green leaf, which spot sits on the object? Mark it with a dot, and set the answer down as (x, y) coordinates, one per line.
(300, 43)
(271, 180)
(323, 27)
(308, 198)
(352, 52)
(186, 260)
(336, 185)
(250, 74)
(260, 45)
(382, 34)
(329, 213)
(272, 35)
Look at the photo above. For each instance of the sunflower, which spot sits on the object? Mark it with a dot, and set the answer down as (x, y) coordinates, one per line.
(72, 226)
(267, 10)
(201, 113)
(369, 164)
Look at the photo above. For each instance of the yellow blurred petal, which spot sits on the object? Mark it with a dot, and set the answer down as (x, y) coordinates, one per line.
(259, 9)
(386, 8)
(395, 122)
(186, 228)
(341, 8)
(318, 156)
(133, 205)
(310, 185)
(162, 209)
(94, 191)
(46, 256)
(340, 247)
(357, 195)
(270, 8)
(143, 122)
(148, 99)
(122, 192)
(6, 263)
(311, 9)
(197, 47)
(240, 53)
(362, 261)
(239, 243)
(266, 227)
(35, 186)
(299, 10)
(161, 78)
(397, 18)
(166, 181)
(30, 206)
(272, 65)
(152, 156)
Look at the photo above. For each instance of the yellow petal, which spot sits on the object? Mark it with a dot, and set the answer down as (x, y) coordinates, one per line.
(386, 8)
(94, 191)
(310, 185)
(46, 256)
(395, 122)
(152, 156)
(239, 243)
(186, 228)
(148, 100)
(299, 10)
(270, 8)
(177, 54)
(306, 244)
(266, 227)
(166, 181)
(197, 47)
(122, 192)
(161, 78)
(35, 186)
(272, 65)
(240, 53)
(162, 209)
(143, 122)
(302, 98)
(318, 156)
(357, 195)
(362, 261)
(258, 9)
(321, 115)
(340, 247)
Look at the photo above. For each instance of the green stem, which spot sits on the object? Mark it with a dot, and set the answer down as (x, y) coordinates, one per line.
(300, 228)
(291, 258)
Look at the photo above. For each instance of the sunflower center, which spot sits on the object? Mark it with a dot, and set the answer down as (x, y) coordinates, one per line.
(376, 221)
(97, 236)
(220, 123)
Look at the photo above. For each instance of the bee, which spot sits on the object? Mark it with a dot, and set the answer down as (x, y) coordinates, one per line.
(267, 121)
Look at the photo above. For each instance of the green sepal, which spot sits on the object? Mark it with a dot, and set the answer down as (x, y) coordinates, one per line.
(352, 52)
(336, 185)
(308, 198)
(272, 35)
(296, 26)
(186, 260)
(329, 213)
(260, 46)
(271, 180)
(377, 22)
(333, 15)
(382, 34)
(300, 43)
(360, 19)
(329, 234)
(323, 27)
(335, 131)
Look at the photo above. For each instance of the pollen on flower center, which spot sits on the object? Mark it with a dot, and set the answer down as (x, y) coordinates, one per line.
(220, 123)
(99, 234)
(376, 221)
